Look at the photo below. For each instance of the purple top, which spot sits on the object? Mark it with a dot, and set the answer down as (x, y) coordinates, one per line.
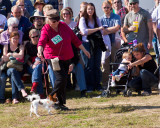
(5, 37)
(84, 29)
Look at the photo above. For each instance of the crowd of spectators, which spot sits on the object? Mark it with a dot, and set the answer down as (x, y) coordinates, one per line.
(44, 31)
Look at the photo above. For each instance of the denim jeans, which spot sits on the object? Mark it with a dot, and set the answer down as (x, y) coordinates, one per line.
(80, 77)
(16, 82)
(51, 76)
(155, 44)
(92, 67)
(3, 79)
(145, 81)
(36, 76)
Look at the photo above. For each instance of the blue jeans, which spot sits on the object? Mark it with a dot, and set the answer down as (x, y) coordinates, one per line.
(79, 72)
(36, 76)
(16, 82)
(92, 67)
(51, 76)
(80, 77)
(144, 82)
(118, 72)
(3, 79)
(155, 44)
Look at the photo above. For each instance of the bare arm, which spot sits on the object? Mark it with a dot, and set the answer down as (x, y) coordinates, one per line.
(84, 50)
(123, 35)
(40, 50)
(110, 30)
(158, 34)
(127, 29)
(150, 29)
(90, 31)
(145, 59)
(19, 55)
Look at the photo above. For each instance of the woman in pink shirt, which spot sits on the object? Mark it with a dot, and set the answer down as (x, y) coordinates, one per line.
(55, 42)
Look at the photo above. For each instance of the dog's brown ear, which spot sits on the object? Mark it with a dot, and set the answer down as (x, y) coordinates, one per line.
(53, 98)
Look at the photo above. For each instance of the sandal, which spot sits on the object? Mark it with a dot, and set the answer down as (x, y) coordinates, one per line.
(15, 101)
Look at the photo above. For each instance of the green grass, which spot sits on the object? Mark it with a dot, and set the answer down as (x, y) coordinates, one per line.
(90, 112)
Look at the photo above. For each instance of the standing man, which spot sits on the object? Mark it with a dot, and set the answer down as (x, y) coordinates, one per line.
(112, 21)
(5, 8)
(138, 25)
(156, 21)
(155, 42)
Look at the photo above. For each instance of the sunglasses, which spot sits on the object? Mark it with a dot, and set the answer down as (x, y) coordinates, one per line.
(53, 21)
(15, 27)
(35, 36)
(133, 3)
(66, 14)
(60, 4)
(38, 18)
(106, 7)
(21, 5)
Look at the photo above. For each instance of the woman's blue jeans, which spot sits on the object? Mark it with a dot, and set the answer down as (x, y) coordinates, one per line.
(80, 77)
(3, 79)
(144, 81)
(79, 73)
(92, 67)
(36, 74)
(16, 82)
(51, 75)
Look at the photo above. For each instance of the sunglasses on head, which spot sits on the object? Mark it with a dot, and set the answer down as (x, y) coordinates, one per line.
(133, 3)
(15, 27)
(35, 37)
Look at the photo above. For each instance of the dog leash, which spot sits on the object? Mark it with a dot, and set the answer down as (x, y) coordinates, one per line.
(44, 73)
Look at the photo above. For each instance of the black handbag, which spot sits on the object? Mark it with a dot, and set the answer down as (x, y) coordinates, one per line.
(96, 40)
(76, 30)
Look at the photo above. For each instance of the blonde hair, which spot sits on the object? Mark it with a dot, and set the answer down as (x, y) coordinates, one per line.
(126, 54)
(83, 4)
(33, 31)
(67, 9)
(47, 7)
(19, 1)
(107, 2)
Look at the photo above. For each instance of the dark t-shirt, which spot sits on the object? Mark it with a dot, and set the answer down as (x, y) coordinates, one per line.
(149, 66)
(31, 49)
(5, 7)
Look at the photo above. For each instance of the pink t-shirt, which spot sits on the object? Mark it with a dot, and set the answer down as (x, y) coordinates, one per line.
(52, 48)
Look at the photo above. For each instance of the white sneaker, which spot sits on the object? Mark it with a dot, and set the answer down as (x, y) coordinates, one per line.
(113, 84)
(118, 77)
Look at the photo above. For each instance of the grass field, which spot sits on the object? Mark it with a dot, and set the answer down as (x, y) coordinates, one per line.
(91, 112)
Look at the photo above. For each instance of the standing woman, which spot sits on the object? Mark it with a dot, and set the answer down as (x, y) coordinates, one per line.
(14, 49)
(55, 43)
(88, 24)
(147, 66)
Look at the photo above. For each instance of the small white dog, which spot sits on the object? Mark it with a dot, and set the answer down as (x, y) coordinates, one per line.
(36, 101)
